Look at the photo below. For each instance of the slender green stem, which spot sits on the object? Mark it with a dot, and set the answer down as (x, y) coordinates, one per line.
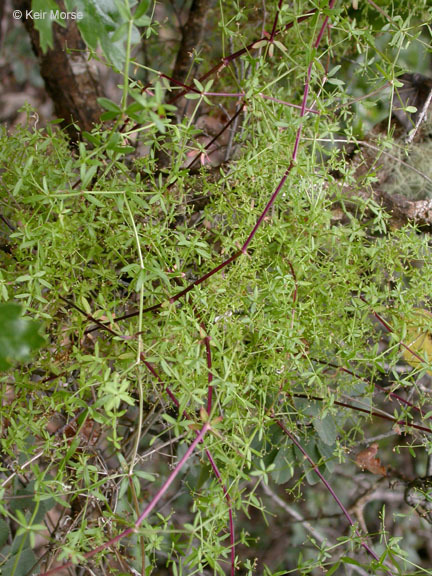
(126, 68)
(139, 349)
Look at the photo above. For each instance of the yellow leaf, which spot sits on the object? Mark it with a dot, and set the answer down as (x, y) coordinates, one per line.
(418, 338)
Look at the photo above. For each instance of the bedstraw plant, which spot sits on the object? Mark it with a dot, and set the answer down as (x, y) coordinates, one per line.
(221, 342)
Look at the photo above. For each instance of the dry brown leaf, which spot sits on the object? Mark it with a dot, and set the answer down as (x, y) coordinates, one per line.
(367, 461)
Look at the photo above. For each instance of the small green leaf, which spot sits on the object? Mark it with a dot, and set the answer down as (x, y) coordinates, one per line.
(121, 33)
(348, 560)
(141, 9)
(145, 475)
(335, 81)
(281, 47)
(333, 71)
(259, 44)
(140, 17)
(123, 8)
(198, 85)
(142, 275)
(333, 569)
(108, 105)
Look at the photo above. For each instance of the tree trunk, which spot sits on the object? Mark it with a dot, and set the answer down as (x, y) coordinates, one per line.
(192, 35)
(70, 79)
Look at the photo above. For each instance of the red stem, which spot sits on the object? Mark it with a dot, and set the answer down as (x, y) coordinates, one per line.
(273, 32)
(164, 488)
(147, 510)
(209, 456)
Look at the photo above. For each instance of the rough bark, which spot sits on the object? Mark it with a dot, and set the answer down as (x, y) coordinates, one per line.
(69, 77)
(192, 35)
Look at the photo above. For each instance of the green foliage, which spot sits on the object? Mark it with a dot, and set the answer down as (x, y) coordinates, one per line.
(289, 326)
(44, 25)
(110, 24)
(19, 337)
